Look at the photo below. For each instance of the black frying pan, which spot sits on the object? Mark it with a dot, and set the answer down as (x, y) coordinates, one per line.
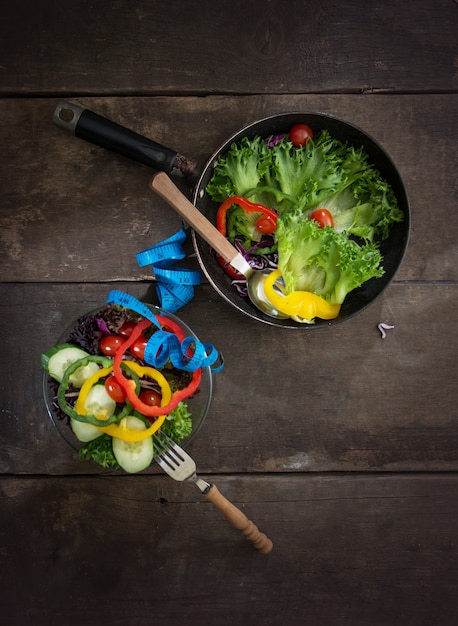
(107, 134)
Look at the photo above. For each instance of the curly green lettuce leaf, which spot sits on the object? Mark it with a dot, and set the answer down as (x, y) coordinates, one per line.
(240, 170)
(367, 208)
(178, 423)
(325, 173)
(99, 451)
(322, 260)
(308, 175)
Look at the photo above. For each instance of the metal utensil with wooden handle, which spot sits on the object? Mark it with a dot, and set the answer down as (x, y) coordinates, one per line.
(180, 466)
(168, 191)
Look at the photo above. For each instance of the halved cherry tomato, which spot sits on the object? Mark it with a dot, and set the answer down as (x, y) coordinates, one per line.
(126, 329)
(300, 134)
(150, 397)
(138, 347)
(266, 225)
(227, 267)
(110, 343)
(323, 217)
(114, 389)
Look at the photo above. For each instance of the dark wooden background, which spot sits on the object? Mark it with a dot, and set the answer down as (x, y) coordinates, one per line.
(341, 446)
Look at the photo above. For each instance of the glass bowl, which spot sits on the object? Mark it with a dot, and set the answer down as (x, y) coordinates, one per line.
(198, 404)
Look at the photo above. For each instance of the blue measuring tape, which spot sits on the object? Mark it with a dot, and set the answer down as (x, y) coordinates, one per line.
(164, 345)
(175, 286)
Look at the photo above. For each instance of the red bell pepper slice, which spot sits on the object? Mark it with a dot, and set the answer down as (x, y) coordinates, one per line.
(247, 206)
(166, 322)
(129, 385)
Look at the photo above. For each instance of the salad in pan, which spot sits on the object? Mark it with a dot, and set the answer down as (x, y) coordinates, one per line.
(118, 375)
(312, 208)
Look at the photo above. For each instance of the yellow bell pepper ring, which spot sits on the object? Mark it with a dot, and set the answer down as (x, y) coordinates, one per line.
(85, 389)
(304, 304)
(151, 372)
(121, 431)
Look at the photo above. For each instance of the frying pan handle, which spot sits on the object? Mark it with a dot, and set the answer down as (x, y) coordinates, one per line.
(168, 191)
(107, 134)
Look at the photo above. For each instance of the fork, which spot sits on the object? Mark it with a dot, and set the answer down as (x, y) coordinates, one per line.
(180, 466)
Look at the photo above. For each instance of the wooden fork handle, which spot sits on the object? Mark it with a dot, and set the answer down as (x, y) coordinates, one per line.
(239, 520)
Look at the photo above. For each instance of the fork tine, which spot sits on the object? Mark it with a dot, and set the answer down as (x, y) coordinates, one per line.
(164, 440)
(172, 459)
(168, 449)
(164, 463)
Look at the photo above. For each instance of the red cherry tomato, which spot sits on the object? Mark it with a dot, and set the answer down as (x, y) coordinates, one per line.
(266, 225)
(150, 397)
(138, 347)
(114, 389)
(110, 343)
(126, 329)
(227, 267)
(323, 217)
(300, 134)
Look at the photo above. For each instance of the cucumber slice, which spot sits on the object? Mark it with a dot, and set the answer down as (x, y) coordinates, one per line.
(82, 374)
(135, 456)
(56, 360)
(83, 431)
(98, 403)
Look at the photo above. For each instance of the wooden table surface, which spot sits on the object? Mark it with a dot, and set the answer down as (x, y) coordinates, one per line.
(341, 446)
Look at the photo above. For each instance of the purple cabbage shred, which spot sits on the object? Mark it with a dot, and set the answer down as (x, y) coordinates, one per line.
(102, 325)
(273, 140)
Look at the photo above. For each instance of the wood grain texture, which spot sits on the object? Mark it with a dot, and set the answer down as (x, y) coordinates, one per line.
(339, 445)
(206, 47)
(54, 182)
(239, 520)
(337, 399)
(348, 551)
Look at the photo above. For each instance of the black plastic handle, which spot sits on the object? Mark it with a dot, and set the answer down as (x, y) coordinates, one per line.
(107, 134)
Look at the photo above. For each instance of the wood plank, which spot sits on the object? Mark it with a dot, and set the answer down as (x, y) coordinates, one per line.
(226, 47)
(54, 182)
(337, 399)
(348, 551)
(338, 444)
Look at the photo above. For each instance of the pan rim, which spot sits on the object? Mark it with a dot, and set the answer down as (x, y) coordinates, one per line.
(250, 130)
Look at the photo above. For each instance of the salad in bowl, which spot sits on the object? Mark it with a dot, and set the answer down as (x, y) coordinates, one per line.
(316, 201)
(120, 373)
